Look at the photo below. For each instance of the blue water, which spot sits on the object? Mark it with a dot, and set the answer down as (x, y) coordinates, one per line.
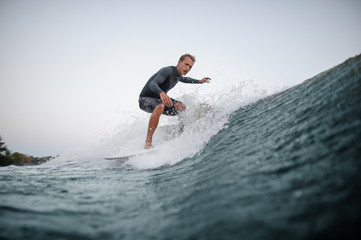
(284, 167)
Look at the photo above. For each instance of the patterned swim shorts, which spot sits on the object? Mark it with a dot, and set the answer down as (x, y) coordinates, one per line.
(148, 104)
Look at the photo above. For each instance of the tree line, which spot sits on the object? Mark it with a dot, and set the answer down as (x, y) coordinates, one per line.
(8, 158)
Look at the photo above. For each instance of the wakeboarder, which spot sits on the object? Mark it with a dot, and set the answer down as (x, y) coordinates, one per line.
(154, 99)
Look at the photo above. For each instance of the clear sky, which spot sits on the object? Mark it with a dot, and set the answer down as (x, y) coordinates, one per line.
(70, 69)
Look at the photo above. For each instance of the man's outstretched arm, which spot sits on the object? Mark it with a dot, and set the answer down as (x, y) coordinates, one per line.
(191, 80)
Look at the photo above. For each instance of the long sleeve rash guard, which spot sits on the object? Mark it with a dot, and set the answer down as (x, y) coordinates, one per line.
(164, 80)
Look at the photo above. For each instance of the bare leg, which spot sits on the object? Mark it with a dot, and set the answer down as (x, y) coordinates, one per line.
(153, 124)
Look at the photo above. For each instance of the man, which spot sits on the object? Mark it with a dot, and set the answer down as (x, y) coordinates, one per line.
(154, 99)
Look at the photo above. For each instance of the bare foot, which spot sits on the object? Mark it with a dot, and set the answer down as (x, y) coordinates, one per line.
(148, 145)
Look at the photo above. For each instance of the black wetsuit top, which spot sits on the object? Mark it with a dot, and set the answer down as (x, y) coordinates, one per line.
(164, 80)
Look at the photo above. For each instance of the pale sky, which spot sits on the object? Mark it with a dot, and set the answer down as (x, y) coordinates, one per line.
(70, 69)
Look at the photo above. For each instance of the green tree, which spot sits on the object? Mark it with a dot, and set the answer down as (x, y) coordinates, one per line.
(20, 159)
(4, 154)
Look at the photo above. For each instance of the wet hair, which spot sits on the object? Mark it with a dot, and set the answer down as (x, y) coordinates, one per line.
(187, 55)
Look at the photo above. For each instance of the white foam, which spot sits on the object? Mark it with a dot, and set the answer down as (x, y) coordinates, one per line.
(206, 115)
(201, 125)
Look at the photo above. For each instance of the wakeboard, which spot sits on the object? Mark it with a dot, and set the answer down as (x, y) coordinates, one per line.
(132, 154)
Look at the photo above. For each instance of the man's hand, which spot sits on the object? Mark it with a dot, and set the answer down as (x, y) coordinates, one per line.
(166, 99)
(205, 80)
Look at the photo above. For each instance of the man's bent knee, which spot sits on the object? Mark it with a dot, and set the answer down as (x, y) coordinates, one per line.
(159, 109)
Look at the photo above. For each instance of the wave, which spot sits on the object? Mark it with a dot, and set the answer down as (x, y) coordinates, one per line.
(245, 121)
(248, 165)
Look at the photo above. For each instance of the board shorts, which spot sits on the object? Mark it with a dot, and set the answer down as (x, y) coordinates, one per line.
(148, 104)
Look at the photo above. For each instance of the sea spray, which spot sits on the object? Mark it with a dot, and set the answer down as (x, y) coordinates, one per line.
(203, 120)
(206, 114)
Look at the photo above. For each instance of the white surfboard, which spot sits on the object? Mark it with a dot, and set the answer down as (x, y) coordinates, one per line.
(132, 154)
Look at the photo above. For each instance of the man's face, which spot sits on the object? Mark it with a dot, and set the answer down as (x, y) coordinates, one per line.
(185, 66)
